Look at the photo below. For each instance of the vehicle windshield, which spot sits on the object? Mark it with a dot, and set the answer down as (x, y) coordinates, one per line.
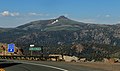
(59, 35)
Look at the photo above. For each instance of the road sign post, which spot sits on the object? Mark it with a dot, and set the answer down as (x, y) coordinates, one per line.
(11, 48)
(32, 45)
(32, 48)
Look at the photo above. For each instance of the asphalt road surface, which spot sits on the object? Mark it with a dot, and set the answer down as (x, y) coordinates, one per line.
(16, 65)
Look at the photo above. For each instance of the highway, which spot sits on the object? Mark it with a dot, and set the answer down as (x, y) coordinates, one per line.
(18, 65)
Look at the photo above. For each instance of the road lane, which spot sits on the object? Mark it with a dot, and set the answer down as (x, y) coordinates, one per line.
(27, 66)
(69, 66)
(47, 66)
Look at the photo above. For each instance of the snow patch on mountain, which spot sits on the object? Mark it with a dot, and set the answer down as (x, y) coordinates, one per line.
(55, 21)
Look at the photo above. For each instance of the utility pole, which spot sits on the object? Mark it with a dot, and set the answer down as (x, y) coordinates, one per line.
(42, 50)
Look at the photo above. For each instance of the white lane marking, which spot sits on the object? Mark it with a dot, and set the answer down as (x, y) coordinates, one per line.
(44, 65)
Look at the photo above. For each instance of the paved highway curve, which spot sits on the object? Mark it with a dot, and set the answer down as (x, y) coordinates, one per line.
(16, 65)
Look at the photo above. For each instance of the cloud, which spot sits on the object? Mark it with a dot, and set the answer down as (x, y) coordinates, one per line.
(118, 22)
(37, 14)
(107, 16)
(15, 14)
(7, 13)
(87, 20)
(103, 16)
(34, 14)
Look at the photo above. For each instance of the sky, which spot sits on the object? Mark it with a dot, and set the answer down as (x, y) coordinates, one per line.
(14, 13)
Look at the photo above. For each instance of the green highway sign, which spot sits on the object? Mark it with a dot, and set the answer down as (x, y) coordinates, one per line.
(34, 48)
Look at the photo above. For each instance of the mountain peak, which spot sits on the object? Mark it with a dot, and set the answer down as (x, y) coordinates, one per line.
(62, 17)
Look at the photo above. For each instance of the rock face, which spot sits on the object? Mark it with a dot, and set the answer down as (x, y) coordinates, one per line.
(61, 31)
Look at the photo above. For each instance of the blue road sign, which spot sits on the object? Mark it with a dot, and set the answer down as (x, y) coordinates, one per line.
(11, 48)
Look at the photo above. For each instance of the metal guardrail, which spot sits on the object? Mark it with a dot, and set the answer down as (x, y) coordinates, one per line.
(30, 57)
